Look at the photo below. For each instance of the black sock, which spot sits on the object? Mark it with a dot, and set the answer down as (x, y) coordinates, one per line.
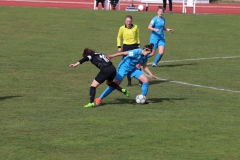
(92, 93)
(115, 86)
(129, 79)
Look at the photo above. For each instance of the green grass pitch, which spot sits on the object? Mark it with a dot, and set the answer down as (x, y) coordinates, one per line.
(41, 98)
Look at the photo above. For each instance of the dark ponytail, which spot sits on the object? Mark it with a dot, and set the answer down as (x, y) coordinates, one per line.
(87, 52)
(149, 46)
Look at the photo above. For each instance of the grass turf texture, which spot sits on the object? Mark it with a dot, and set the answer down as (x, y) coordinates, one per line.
(41, 99)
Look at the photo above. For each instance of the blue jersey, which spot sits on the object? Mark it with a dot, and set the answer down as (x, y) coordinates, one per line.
(133, 58)
(158, 23)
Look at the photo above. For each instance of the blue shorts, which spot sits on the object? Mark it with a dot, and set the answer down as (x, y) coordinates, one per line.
(157, 42)
(122, 73)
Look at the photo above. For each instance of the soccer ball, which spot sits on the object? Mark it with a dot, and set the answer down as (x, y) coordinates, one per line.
(140, 7)
(141, 99)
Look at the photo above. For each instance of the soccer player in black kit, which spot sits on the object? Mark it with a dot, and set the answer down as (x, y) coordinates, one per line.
(107, 73)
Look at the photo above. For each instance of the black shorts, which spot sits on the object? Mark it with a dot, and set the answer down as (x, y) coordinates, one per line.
(106, 73)
(129, 47)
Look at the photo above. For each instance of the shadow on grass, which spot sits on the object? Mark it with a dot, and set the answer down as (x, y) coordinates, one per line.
(177, 65)
(173, 65)
(8, 97)
(152, 82)
(151, 100)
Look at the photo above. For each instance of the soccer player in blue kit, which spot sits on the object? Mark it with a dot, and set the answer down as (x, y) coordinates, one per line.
(128, 66)
(157, 26)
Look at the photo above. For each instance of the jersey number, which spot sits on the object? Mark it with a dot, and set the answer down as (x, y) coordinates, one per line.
(104, 58)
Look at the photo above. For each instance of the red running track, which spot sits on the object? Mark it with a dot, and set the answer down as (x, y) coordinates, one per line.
(88, 4)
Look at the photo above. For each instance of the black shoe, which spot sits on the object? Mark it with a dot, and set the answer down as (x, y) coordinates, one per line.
(140, 83)
(155, 66)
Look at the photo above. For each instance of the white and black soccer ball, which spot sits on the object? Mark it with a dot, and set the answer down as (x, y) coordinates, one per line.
(141, 99)
(140, 7)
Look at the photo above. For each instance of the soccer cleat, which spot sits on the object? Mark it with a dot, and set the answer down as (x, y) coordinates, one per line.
(126, 92)
(155, 66)
(98, 101)
(140, 83)
(89, 105)
(170, 12)
(146, 102)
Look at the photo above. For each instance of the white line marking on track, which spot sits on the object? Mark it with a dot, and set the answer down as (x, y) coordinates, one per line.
(42, 1)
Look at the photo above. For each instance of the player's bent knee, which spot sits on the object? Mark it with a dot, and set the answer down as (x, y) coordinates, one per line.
(143, 79)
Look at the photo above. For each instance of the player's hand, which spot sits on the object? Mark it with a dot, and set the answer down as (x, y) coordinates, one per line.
(156, 30)
(151, 54)
(72, 66)
(109, 56)
(154, 77)
(119, 49)
(171, 30)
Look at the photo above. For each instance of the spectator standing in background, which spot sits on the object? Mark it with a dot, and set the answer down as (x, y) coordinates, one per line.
(113, 4)
(130, 35)
(102, 2)
(165, 4)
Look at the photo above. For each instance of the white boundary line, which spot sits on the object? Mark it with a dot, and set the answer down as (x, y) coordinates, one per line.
(195, 59)
(196, 85)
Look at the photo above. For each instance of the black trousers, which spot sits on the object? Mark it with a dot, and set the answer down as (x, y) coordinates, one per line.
(165, 4)
(100, 1)
(127, 47)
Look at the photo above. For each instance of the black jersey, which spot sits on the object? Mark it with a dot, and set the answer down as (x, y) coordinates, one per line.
(98, 59)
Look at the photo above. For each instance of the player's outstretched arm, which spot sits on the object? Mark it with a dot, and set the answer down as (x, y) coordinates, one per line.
(116, 55)
(84, 59)
(74, 65)
(148, 71)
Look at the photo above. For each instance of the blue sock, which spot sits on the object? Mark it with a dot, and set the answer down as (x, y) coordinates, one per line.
(106, 92)
(145, 88)
(157, 58)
